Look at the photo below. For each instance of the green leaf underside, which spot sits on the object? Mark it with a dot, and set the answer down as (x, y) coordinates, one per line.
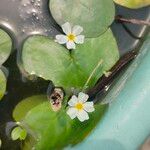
(5, 46)
(52, 61)
(57, 130)
(134, 4)
(2, 84)
(95, 16)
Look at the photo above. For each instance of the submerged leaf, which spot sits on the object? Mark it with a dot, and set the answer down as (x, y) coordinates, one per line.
(133, 3)
(5, 46)
(52, 61)
(57, 130)
(95, 16)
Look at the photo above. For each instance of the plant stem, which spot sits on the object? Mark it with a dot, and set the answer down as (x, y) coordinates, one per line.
(115, 70)
(133, 21)
(92, 73)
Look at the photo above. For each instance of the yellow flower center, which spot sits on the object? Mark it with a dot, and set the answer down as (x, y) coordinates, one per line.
(79, 106)
(71, 37)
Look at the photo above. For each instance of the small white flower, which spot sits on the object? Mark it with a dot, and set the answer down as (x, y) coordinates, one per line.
(72, 36)
(79, 107)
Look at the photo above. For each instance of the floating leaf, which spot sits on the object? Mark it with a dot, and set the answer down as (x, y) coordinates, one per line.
(133, 3)
(95, 16)
(18, 133)
(27, 104)
(47, 59)
(2, 84)
(5, 50)
(5, 46)
(51, 127)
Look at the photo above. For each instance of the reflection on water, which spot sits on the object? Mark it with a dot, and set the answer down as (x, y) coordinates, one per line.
(26, 17)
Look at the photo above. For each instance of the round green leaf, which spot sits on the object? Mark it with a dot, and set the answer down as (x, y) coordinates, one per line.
(133, 3)
(24, 106)
(51, 61)
(18, 133)
(50, 127)
(5, 46)
(95, 16)
(2, 84)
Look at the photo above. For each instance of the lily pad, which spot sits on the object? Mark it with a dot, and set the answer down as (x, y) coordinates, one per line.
(2, 84)
(5, 46)
(133, 3)
(95, 16)
(56, 130)
(51, 61)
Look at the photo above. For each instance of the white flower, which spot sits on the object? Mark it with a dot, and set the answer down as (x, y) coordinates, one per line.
(79, 107)
(72, 36)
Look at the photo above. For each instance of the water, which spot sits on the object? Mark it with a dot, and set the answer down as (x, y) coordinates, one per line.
(22, 18)
(29, 17)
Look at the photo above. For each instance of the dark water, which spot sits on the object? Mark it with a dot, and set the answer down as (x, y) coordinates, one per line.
(22, 18)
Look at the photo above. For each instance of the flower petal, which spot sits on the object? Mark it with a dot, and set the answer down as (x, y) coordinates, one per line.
(70, 45)
(79, 39)
(89, 106)
(61, 39)
(82, 97)
(72, 112)
(82, 115)
(73, 101)
(66, 28)
(77, 30)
